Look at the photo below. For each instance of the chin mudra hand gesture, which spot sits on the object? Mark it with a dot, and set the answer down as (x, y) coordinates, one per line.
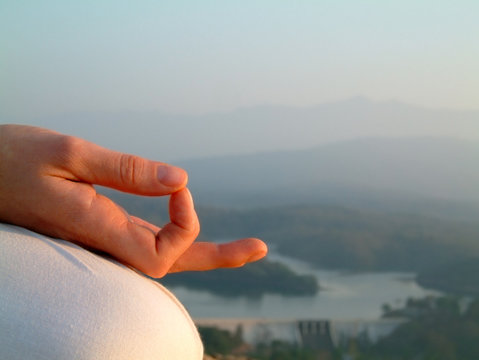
(46, 185)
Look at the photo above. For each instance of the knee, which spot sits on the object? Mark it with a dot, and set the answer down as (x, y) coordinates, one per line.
(58, 300)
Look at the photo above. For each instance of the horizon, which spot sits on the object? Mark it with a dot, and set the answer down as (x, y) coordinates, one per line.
(162, 112)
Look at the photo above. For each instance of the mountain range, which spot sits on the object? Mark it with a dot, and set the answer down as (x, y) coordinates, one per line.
(173, 137)
(357, 152)
(439, 172)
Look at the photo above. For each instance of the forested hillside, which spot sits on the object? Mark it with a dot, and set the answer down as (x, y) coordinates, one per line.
(337, 237)
(333, 236)
(250, 280)
(341, 238)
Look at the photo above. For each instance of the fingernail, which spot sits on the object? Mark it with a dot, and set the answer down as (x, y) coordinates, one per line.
(170, 175)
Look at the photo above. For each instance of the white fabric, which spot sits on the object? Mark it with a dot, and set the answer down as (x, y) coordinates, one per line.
(60, 301)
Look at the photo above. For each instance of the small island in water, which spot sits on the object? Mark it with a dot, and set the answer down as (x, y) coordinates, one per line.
(253, 279)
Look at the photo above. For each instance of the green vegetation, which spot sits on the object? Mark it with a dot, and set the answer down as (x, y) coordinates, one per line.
(251, 280)
(280, 350)
(217, 341)
(222, 342)
(437, 330)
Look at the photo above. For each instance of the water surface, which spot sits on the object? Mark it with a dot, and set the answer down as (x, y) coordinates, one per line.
(343, 296)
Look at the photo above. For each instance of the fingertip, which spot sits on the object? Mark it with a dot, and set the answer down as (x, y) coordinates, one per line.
(182, 211)
(242, 251)
(260, 250)
(172, 176)
(181, 200)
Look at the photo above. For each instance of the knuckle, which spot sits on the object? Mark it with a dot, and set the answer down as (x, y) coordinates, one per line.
(131, 168)
(82, 205)
(196, 228)
(67, 147)
(190, 231)
(68, 144)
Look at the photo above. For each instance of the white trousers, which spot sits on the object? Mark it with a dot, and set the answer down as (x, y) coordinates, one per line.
(60, 301)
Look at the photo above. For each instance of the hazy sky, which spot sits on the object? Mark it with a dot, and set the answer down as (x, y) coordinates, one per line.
(203, 56)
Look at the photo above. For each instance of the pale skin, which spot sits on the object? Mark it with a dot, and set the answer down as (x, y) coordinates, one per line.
(46, 185)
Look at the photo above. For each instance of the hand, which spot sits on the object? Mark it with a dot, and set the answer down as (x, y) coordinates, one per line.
(46, 185)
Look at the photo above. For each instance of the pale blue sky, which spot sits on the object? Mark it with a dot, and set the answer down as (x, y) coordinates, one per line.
(207, 56)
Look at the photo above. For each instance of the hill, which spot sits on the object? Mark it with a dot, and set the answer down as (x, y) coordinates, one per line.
(344, 238)
(378, 169)
(332, 236)
(253, 279)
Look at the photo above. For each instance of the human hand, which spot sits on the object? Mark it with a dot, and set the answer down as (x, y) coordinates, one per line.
(46, 185)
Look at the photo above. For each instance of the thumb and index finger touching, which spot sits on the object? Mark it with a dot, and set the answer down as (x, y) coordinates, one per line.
(47, 180)
(145, 246)
(130, 239)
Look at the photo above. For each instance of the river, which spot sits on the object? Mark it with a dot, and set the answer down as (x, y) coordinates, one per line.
(343, 296)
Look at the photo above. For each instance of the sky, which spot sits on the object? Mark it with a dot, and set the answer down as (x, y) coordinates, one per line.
(196, 57)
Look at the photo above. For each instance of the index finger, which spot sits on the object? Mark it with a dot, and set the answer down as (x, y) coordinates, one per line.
(91, 163)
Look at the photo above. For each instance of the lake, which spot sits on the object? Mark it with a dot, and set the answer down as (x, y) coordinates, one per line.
(343, 296)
